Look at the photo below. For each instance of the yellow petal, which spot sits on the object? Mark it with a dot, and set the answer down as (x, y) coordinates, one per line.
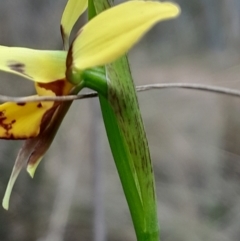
(72, 12)
(113, 32)
(38, 65)
(22, 121)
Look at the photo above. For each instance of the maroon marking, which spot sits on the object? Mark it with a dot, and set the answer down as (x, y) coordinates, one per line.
(21, 104)
(6, 126)
(46, 119)
(62, 32)
(39, 105)
(69, 58)
(57, 86)
(16, 66)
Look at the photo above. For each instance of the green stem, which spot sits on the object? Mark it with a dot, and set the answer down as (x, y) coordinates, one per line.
(95, 80)
(127, 139)
(124, 170)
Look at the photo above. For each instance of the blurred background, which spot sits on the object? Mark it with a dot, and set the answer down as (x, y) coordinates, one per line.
(194, 136)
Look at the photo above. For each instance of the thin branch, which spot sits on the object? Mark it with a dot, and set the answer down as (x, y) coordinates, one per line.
(201, 87)
(4, 98)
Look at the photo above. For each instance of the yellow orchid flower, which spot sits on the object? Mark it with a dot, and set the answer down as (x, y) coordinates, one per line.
(102, 40)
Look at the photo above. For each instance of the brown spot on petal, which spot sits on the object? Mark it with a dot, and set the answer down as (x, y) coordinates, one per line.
(57, 86)
(6, 126)
(39, 105)
(21, 104)
(16, 66)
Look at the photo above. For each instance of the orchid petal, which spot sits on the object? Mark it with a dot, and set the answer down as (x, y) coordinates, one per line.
(72, 12)
(113, 32)
(37, 65)
(15, 172)
(22, 121)
(20, 162)
(34, 149)
(45, 139)
(31, 149)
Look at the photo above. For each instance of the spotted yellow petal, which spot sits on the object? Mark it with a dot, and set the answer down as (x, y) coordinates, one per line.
(72, 12)
(22, 121)
(37, 65)
(113, 32)
(34, 149)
